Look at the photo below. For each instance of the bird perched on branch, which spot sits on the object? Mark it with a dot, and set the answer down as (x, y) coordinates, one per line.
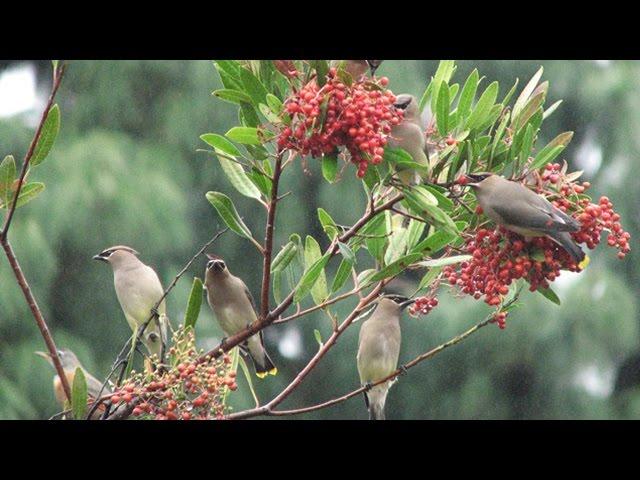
(234, 308)
(409, 135)
(70, 363)
(358, 68)
(521, 210)
(138, 289)
(379, 349)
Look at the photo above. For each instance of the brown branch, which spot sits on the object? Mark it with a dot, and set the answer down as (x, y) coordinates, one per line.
(268, 238)
(59, 72)
(268, 408)
(13, 261)
(267, 320)
(400, 371)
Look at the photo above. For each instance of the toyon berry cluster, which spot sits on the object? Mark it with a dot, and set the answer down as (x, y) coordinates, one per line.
(357, 116)
(423, 305)
(186, 390)
(500, 257)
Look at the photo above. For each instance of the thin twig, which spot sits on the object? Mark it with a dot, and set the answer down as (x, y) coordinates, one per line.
(13, 260)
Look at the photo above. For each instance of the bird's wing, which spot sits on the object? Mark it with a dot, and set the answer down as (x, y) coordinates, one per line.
(531, 211)
(250, 297)
(94, 385)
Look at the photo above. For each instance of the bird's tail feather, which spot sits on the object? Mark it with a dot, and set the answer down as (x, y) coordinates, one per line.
(376, 399)
(262, 363)
(566, 242)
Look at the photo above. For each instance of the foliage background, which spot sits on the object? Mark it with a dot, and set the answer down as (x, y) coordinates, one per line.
(125, 170)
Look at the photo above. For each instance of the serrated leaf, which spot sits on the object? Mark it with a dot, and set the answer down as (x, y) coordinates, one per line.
(48, 135)
(482, 110)
(443, 262)
(193, 304)
(329, 168)
(79, 395)
(244, 135)
(549, 295)
(228, 213)
(396, 267)
(232, 96)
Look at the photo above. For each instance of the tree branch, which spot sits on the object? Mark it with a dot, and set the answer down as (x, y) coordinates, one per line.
(13, 260)
(267, 320)
(268, 238)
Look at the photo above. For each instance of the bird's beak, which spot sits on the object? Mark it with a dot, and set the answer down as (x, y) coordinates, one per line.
(406, 303)
(98, 257)
(43, 355)
(373, 68)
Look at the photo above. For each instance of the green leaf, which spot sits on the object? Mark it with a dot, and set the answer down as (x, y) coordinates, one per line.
(253, 86)
(328, 225)
(467, 95)
(344, 270)
(309, 278)
(421, 196)
(48, 136)
(438, 240)
(526, 93)
(329, 168)
(219, 142)
(551, 109)
(442, 109)
(443, 74)
(346, 252)
(238, 178)
(510, 93)
(313, 254)
(527, 144)
(377, 228)
(79, 395)
(364, 277)
(429, 277)
(227, 211)
(232, 96)
(284, 257)
(230, 67)
(482, 110)
(396, 267)
(397, 245)
(322, 68)
(398, 156)
(247, 376)
(443, 202)
(244, 135)
(529, 110)
(274, 103)
(549, 294)
(414, 232)
(193, 304)
(316, 333)
(546, 156)
(7, 177)
(443, 262)
(424, 99)
(29, 192)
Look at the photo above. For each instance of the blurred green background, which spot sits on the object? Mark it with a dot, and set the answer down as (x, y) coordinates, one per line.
(125, 170)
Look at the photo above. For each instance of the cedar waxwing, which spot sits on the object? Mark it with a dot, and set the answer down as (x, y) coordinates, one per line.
(521, 210)
(358, 68)
(138, 289)
(409, 135)
(379, 349)
(233, 306)
(70, 363)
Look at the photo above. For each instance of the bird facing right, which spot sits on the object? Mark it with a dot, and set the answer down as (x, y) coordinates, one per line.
(379, 350)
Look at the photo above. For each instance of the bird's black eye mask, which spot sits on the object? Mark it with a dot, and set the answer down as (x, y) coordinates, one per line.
(103, 255)
(403, 105)
(216, 265)
(478, 177)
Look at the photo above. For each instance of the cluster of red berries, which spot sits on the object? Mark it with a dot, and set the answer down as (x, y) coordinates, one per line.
(499, 256)
(187, 390)
(501, 319)
(423, 305)
(358, 117)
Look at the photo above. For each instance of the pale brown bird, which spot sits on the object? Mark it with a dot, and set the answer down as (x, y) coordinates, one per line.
(379, 350)
(358, 68)
(521, 210)
(138, 289)
(234, 308)
(409, 135)
(70, 363)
